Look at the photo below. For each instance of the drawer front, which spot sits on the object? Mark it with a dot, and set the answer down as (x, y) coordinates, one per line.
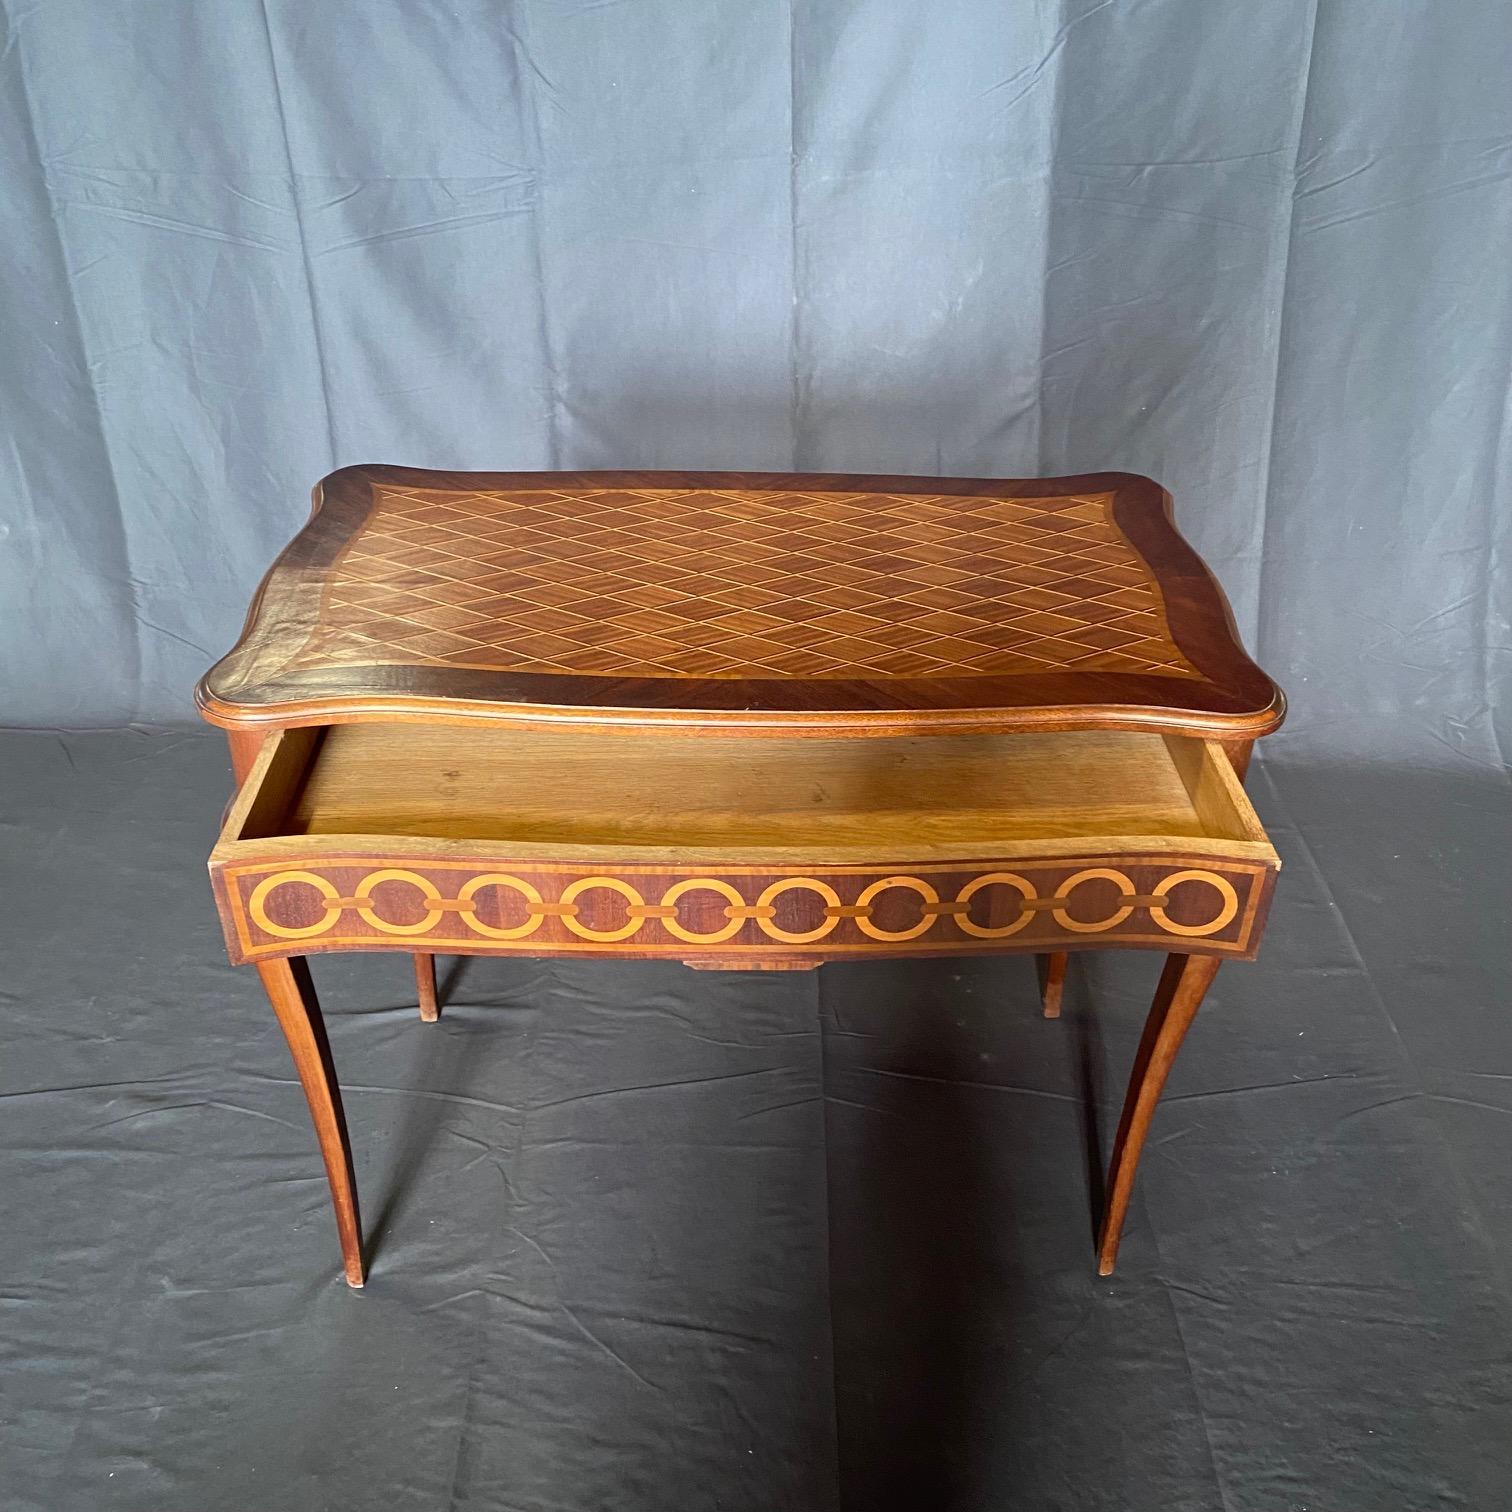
(297, 905)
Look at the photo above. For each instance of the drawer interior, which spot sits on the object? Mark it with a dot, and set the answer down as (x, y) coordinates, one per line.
(541, 790)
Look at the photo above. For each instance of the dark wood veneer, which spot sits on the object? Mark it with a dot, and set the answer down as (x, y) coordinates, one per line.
(1228, 697)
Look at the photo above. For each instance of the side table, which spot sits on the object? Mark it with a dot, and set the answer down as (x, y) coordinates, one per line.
(742, 721)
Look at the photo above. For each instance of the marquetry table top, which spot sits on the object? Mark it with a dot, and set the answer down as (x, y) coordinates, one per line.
(800, 601)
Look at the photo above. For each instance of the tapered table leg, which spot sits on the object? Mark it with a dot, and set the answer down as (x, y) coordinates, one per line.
(1182, 986)
(1052, 980)
(425, 981)
(292, 994)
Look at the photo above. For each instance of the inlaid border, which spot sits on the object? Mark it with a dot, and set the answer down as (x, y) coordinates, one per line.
(733, 911)
(1232, 696)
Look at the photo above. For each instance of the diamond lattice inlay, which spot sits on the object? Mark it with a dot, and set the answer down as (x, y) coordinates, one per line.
(680, 582)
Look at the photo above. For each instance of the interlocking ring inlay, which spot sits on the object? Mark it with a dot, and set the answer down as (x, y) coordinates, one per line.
(469, 913)
(924, 890)
(369, 915)
(737, 910)
(995, 931)
(257, 905)
(1229, 907)
(575, 890)
(704, 884)
(1062, 915)
(798, 937)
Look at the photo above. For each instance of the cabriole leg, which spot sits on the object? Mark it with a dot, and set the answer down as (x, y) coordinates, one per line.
(292, 994)
(1182, 986)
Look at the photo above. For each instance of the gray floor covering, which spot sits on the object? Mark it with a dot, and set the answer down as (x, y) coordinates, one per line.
(649, 1238)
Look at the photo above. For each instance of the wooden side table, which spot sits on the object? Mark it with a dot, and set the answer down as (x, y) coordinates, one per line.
(743, 721)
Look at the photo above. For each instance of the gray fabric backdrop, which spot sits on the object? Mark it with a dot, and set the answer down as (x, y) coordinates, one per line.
(1260, 252)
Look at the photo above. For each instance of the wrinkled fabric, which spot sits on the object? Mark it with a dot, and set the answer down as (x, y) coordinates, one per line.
(643, 1237)
(1256, 252)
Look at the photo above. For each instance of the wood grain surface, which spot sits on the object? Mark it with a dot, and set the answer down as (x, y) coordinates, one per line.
(659, 797)
(810, 602)
(547, 843)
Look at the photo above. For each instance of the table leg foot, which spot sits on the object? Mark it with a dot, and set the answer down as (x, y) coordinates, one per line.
(1182, 986)
(425, 982)
(292, 995)
(1052, 980)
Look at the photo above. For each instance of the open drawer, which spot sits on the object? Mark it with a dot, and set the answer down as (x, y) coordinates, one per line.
(737, 850)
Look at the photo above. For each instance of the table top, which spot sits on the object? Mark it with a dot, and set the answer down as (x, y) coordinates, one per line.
(817, 603)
